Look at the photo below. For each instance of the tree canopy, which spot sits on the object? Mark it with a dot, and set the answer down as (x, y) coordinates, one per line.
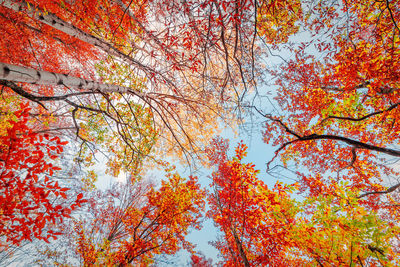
(147, 88)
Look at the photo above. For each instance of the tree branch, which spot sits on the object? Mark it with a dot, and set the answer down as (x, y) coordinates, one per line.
(363, 117)
(387, 191)
(20, 91)
(354, 143)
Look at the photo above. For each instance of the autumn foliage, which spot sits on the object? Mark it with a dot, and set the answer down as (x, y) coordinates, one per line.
(135, 223)
(254, 220)
(139, 86)
(200, 260)
(30, 201)
(262, 226)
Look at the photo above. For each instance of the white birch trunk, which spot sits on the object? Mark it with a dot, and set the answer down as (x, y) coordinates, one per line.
(15, 73)
(61, 25)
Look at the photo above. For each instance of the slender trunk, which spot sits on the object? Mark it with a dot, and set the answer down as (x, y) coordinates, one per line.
(61, 25)
(15, 73)
(240, 247)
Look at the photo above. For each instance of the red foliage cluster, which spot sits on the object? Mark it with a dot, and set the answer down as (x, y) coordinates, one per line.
(29, 198)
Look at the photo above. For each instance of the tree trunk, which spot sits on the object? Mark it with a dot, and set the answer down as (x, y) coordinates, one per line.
(61, 25)
(15, 73)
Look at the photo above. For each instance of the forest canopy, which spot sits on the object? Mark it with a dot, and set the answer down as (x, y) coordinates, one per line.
(146, 89)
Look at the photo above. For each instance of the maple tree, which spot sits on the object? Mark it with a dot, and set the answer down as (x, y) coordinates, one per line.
(339, 100)
(254, 220)
(344, 103)
(339, 229)
(129, 224)
(262, 226)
